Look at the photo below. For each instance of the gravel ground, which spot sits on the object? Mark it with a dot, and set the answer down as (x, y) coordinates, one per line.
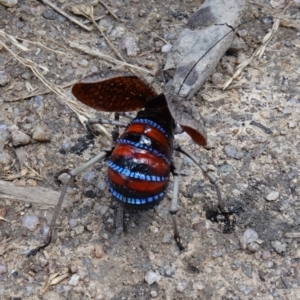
(253, 133)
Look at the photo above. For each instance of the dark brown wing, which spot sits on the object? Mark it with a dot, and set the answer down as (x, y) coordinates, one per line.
(123, 93)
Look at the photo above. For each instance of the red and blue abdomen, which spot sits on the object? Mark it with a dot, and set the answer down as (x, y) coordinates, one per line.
(139, 166)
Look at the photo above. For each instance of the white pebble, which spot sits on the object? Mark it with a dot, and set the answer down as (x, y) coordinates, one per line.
(74, 280)
(272, 196)
(166, 48)
(292, 124)
(152, 277)
(248, 237)
(30, 221)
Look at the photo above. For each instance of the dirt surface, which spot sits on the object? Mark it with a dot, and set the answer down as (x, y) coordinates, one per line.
(253, 133)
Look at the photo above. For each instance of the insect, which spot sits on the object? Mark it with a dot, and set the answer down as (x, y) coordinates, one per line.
(140, 162)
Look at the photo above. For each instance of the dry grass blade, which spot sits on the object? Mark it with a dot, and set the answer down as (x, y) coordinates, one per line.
(53, 280)
(259, 51)
(81, 113)
(46, 2)
(88, 12)
(109, 10)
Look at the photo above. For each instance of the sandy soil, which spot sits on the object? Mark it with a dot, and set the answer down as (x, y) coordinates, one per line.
(253, 132)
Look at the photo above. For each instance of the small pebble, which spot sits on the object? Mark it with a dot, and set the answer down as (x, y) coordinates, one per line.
(74, 280)
(245, 289)
(49, 14)
(272, 196)
(73, 222)
(198, 285)
(166, 48)
(129, 44)
(83, 63)
(248, 237)
(9, 3)
(89, 177)
(253, 247)
(30, 221)
(181, 286)
(31, 182)
(3, 79)
(101, 185)
(292, 124)
(19, 138)
(41, 133)
(266, 255)
(231, 152)
(278, 246)
(154, 294)
(152, 277)
(99, 251)
(3, 269)
(79, 229)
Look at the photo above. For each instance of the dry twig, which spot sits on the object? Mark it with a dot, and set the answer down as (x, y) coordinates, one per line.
(259, 51)
(109, 10)
(88, 12)
(46, 2)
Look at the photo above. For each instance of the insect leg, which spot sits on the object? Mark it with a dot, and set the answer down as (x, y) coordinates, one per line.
(106, 121)
(204, 169)
(127, 115)
(66, 178)
(174, 202)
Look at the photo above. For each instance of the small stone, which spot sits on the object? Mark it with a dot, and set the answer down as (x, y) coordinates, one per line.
(99, 251)
(153, 294)
(242, 32)
(79, 229)
(198, 285)
(248, 237)
(152, 277)
(292, 124)
(3, 79)
(49, 14)
(272, 196)
(20, 182)
(30, 221)
(3, 269)
(74, 280)
(129, 44)
(181, 286)
(266, 255)
(153, 229)
(278, 246)
(171, 36)
(245, 289)
(151, 255)
(26, 75)
(253, 247)
(73, 222)
(83, 63)
(9, 3)
(231, 152)
(31, 182)
(19, 138)
(41, 133)
(89, 177)
(101, 185)
(166, 48)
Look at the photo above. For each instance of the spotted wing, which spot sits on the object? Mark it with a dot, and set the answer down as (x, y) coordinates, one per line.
(121, 93)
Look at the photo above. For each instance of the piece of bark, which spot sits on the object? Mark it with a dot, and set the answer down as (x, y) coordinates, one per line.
(37, 195)
(200, 46)
(194, 56)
